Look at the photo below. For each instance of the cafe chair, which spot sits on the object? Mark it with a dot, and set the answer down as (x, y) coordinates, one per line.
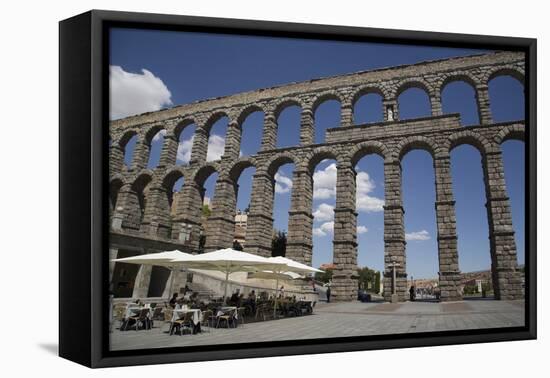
(225, 317)
(207, 320)
(240, 315)
(168, 314)
(185, 322)
(142, 318)
(157, 315)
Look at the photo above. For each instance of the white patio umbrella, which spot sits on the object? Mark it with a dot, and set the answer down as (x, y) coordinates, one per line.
(159, 259)
(295, 266)
(290, 266)
(230, 261)
(269, 275)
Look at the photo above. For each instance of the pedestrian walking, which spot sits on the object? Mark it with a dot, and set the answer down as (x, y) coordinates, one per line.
(412, 293)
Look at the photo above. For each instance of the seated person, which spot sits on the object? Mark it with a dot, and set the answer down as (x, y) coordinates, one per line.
(186, 289)
(251, 301)
(194, 299)
(174, 300)
(240, 300)
(235, 297)
(180, 303)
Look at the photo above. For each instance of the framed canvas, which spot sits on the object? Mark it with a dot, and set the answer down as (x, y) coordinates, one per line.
(235, 189)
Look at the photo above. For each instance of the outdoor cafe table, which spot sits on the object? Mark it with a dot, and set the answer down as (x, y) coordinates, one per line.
(197, 315)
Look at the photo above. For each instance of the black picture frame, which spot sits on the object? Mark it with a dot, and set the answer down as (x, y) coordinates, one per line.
(83, 232)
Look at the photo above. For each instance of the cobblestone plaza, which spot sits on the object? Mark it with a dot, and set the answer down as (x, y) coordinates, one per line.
(341, 320)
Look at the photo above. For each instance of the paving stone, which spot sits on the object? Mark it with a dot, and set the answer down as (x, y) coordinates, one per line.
(338, 320)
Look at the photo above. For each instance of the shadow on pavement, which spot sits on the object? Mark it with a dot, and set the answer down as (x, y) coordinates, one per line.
(479, 298)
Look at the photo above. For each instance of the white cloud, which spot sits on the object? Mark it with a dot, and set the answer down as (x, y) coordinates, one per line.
(184, 150)
(328, 227)
(362, 229)
(324, 182)
(365, 202)
(283, 184)
(136, 93)
(418, 235)
(216, 145)
(324, 193)
(159, 135)
(324, 187)
(318, 232)
(325, 229)
(324, 212)
(364, 182)
(368, 204)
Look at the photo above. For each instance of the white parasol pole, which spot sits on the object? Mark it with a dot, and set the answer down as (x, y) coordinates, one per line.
(276, 294)
(172, 278)
(226, 280)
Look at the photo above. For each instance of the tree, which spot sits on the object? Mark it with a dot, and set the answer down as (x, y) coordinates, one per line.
(324, 277)
(237, 246)
(486, 287)
(470, 289)
(367, 279)
(206, 211)
(278, 244)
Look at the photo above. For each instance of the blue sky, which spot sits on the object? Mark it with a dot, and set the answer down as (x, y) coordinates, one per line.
(156, 69)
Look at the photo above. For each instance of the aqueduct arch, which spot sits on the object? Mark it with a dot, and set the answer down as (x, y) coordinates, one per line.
(141, 195)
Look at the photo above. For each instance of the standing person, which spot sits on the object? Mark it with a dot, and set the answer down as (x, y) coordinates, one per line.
(282, 291)
(252, 301)
(411, 293)
(328, 294)
(313, 286)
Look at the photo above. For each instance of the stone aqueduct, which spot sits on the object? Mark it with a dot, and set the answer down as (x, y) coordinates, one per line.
(141, 198)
